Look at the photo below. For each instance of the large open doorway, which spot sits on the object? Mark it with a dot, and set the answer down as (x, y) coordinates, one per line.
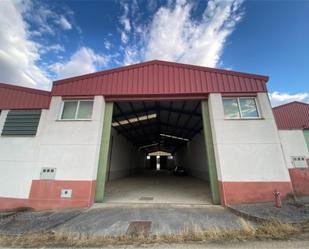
(157, 154)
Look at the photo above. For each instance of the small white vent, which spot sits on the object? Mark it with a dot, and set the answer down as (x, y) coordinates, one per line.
(48, 173)
(299, 161)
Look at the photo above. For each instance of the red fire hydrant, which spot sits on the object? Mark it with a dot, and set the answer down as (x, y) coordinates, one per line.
(278, 203)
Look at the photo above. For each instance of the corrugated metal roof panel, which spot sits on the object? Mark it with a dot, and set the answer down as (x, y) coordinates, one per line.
(16, 97)
(293, 115)
(160, 78)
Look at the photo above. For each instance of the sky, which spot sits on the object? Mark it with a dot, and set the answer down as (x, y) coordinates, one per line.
(42, 41)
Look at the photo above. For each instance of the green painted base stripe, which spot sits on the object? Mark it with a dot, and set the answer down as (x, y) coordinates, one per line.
(104, 150)
(211, 161)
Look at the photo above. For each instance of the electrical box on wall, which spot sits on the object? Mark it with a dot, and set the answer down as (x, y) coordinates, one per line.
(66, 193)
(299, 161)
(48, 173)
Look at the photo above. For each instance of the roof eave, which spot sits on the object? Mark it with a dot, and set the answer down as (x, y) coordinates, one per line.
(25, 89)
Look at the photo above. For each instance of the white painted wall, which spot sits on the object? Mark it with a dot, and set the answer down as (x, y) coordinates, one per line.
(247, 150)
(120, 158)
(293, 144)
(193, 157)
(125, 158)
(70, 146)
(18, 156)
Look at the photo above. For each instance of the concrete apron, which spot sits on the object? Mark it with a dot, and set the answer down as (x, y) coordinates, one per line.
(117, 219)
(120, 219)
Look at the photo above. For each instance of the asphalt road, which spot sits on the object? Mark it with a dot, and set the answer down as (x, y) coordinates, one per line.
(303, 244)
(290, 244)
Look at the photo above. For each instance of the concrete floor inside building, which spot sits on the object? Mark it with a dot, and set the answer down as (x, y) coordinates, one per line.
(148, 140)
(158, 187)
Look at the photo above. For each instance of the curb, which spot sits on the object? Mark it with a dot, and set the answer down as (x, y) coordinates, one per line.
(246, 215)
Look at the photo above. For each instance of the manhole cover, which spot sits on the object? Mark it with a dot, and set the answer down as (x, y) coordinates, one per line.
(139, 227)
(146, 198)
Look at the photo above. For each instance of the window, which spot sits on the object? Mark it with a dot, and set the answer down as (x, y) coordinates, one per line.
(240, 108)
(77, 110)
(21, 122)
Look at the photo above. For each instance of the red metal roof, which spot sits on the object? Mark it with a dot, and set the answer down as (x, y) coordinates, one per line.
(294, 115)
(160, 78)
(16, 97)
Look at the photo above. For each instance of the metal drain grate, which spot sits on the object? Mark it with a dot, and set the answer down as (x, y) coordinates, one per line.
(146, 198)
(139, 228)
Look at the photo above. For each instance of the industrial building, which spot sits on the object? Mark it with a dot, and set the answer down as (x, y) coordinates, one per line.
(293, 123)
(117, 135)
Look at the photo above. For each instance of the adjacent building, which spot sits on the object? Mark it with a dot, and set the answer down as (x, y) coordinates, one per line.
(293, 124)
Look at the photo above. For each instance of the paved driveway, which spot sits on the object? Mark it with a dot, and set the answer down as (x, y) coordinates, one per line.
(118, 219)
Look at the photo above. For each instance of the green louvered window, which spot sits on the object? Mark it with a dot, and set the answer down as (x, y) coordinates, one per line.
(21, 122)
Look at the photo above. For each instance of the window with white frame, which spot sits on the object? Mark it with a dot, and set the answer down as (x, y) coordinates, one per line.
(240, 108)
(76, 110)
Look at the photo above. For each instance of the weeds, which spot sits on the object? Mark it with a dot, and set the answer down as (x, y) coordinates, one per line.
(273, 229)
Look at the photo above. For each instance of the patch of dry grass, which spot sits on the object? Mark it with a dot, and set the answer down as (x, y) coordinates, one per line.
(268, 230)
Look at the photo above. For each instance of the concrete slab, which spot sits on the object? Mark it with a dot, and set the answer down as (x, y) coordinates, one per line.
(114, 219)
(158, 187)
(290, 212)
(30, 222)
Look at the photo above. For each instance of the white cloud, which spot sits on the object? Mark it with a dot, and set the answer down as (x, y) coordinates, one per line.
(56, 48)
(18, 54)
(107, 44)
(131, 55)
(174, 34)
(46, 20)
(124, 19)
(278, 98)
(64, 23)
(124, 37)
(125, 23)
(81, 62)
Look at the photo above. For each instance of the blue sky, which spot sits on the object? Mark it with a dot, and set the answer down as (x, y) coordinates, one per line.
(41, 41)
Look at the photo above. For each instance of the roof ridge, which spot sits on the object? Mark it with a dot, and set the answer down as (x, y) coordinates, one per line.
(290, 103)
(218, 70)
(25, 89)
(160, 62)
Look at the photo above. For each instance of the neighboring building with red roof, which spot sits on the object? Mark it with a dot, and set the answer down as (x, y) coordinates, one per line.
(293, 123)
(17, 97)
(67, 147)
(294, 115)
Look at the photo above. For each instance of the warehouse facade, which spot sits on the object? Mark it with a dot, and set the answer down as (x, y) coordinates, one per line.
(60, 148)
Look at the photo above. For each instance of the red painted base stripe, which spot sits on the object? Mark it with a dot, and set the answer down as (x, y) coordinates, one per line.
(251, 192)
(50, 189)
(45, 194)
(300, 180)
(12, 203)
